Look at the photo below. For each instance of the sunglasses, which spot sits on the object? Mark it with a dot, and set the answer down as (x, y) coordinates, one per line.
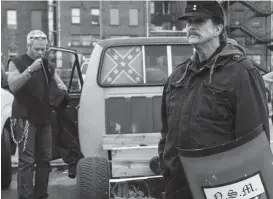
(38, 37)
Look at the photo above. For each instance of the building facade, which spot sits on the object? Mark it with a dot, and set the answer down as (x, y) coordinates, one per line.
(83, 23)
(80, 24)
(249, 23)
(18, 18)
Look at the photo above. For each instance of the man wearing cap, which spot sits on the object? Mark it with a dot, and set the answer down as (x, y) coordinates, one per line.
(29, 80)
(214, 97)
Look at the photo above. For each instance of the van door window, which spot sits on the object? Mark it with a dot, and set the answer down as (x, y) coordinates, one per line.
(180, 53)
(156, 64)
(65, 63)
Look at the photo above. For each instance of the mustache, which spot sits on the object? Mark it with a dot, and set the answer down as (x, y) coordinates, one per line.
(193, 32)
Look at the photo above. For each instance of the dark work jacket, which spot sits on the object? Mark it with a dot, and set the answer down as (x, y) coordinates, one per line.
(32, 100)
(208, 105)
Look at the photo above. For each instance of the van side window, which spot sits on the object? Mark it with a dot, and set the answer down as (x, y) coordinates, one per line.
(122, 66)
(180, 53)
(139, 65)
(156, 64)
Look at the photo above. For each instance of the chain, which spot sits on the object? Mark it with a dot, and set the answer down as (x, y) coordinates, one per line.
(25, 133)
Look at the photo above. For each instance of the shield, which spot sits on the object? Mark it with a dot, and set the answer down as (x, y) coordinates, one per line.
(241, 169)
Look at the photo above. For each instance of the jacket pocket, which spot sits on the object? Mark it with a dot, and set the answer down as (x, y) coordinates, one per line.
(215, 103)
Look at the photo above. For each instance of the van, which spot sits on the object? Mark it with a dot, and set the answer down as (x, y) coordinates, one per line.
(119, 116)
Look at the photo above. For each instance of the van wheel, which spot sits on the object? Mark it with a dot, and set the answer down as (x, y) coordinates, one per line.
(93, 176)
(6, 170)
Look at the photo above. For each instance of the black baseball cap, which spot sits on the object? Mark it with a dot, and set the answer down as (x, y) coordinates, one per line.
(203, 9)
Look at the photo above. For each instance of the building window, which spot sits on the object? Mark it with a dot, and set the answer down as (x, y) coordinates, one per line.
(75, 15)
(166, 7)
(152, 7)
(36, 20)
(95, 16)
(256, 24)
(84, 40)
(238, 17)
(114, 16)
(133, 17)
(250, 41)
(12, 19)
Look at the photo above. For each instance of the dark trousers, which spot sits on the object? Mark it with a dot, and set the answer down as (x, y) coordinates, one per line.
(37, 149)
(176, 186)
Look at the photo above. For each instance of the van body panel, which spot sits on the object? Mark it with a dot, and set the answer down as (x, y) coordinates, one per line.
(92, 110)
(117, 96)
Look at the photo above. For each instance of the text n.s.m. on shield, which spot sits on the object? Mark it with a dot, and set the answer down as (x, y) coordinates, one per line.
(251, 187)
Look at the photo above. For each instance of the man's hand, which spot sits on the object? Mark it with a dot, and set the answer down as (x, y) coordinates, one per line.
(36, 65)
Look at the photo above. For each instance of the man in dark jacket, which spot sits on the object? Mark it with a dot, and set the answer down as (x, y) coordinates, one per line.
(212, 98)
(29, 80)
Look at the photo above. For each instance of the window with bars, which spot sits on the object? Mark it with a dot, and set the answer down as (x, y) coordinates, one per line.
(133, 17)
(12, 19)
(95, 16)
(114, 16)
(75, 15)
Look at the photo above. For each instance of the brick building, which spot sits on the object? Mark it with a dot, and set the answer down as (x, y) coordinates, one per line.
(248, 22)
(17, 19)
(79, 24)
(164, 15)
(85, 22)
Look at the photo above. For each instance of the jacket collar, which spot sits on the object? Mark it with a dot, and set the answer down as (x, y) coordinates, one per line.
(231, 48)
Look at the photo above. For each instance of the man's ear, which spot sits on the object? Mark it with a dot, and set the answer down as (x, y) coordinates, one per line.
(219, 28)
(29, 44)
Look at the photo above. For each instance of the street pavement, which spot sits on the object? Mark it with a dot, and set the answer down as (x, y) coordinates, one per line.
(60, 185)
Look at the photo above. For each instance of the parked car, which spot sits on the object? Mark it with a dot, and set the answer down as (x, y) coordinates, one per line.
(6, 142)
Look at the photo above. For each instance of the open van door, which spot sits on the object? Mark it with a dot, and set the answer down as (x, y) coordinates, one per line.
(64, 121)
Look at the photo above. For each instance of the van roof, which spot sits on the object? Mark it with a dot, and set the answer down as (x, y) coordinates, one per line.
(142, 41)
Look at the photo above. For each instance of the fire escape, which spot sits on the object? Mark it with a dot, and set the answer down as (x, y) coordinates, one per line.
(256, 38)
(258, 13)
